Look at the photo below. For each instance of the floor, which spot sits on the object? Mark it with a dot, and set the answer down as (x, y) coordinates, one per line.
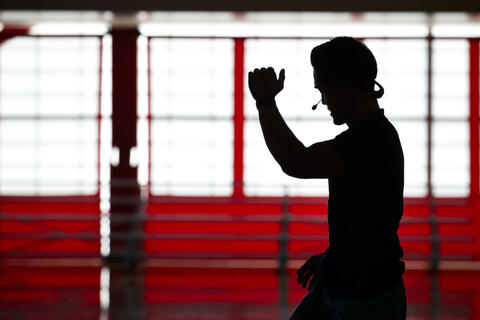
(76, 290)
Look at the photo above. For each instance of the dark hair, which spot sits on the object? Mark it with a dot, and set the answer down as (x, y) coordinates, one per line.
(343, 58)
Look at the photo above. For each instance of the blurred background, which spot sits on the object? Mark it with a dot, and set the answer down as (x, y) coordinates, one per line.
(135, 182)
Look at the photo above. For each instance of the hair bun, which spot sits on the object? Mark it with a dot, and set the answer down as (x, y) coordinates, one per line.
(378, 94)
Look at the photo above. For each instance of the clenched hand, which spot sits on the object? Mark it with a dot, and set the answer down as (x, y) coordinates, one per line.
(310, 269)
(263, 82)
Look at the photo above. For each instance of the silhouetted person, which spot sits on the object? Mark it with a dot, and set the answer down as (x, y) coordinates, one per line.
(359, 276)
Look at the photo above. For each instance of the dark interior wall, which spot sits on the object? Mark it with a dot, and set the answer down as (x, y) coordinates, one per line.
(246, 5)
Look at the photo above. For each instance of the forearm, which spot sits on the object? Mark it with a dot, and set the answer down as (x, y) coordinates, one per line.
(280, 140)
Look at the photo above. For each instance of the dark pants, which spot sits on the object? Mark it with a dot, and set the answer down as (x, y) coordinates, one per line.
(320, 304)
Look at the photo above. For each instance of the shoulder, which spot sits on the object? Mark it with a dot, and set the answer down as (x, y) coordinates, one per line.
(389, 134)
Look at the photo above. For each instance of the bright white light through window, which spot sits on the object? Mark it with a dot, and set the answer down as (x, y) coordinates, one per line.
(48, 108)
(450, 103)
(192, 109)
(98, 28)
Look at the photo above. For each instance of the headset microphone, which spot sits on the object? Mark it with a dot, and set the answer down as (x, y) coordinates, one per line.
(315, 105)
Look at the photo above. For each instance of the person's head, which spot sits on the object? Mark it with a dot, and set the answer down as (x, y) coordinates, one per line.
(344, 72)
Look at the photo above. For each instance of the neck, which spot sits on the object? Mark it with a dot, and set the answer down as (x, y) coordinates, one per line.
(361, 111)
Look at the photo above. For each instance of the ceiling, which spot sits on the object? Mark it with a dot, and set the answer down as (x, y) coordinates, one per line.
(246, 5)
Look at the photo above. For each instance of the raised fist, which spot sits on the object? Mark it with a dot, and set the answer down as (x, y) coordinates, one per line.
(263, 82)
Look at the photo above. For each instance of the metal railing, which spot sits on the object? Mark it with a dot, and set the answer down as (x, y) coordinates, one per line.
(131, 233)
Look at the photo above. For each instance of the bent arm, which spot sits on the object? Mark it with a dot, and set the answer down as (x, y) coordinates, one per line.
(317, 161)
(280, 140)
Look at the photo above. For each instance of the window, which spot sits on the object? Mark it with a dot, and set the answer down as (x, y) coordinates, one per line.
(450, 104)
(185, 123)
(275, 39)
(191, 110)
(49, 103)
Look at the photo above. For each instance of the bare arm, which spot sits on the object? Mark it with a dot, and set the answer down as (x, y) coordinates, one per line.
(296, 160)
(280, 140)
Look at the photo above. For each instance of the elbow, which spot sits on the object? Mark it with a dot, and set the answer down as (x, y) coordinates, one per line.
(293, 171)
(287, 170)
(294, 166)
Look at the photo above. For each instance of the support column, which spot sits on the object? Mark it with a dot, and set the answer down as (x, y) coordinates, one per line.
(475, 140)
(238, 117)
(435, 257)
(474, 118)
(124, 190)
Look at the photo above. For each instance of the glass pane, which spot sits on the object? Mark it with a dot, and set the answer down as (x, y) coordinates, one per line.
(451, 158)
(450, 106)
(49, 103)
(192, 106)
(450, 79)
(191, 77)
(192, 157)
